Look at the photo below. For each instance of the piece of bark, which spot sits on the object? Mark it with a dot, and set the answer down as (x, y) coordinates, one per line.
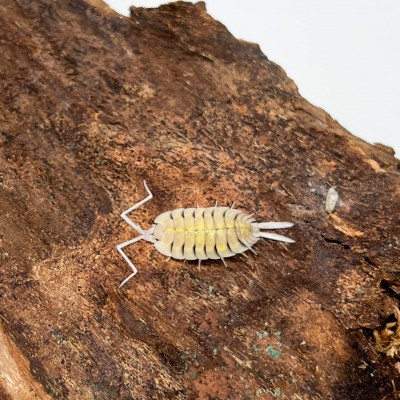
(91, 104)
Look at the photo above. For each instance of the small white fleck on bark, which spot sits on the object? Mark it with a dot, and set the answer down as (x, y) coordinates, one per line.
(331, 199)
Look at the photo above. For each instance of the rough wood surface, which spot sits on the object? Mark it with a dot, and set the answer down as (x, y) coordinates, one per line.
(92, 103)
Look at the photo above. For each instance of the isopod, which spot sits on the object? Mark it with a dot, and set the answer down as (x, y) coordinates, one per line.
(200, 233)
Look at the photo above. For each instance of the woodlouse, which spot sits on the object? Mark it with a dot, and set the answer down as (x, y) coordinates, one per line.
(200, 233)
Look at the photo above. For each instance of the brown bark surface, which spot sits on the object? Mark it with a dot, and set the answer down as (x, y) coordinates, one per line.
(91, 104)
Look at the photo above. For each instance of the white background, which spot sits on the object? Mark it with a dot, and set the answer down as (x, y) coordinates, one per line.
(344, 55)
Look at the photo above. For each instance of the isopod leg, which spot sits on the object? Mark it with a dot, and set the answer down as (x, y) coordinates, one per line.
(125, 217)
(126, 258)
(224, 262)
(251, 249)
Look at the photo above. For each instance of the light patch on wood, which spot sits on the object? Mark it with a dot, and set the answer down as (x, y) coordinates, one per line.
(242, 363)
(101, 6)
(235, 292)
(15, 377)
(243, 108)
(375, 166)
(344, 227)
(372, 163)
(146, 92)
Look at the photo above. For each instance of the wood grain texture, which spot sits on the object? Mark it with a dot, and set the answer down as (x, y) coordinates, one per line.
(92, 103)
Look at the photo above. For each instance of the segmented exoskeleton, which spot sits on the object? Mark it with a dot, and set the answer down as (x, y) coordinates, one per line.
(201, 233)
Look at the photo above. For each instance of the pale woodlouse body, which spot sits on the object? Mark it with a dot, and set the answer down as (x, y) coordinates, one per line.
(201, 233)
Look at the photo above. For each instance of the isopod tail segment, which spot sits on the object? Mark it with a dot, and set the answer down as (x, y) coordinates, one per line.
(200, 233)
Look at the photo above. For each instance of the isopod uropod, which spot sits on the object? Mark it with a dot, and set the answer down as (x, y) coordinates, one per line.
(200, 233)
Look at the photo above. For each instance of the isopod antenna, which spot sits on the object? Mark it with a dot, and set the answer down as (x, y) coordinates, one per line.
(144, 234)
